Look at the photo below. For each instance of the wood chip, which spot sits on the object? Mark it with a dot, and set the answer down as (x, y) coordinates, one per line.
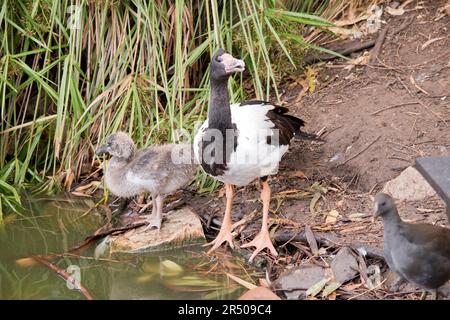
(426, 44)
(395, 12)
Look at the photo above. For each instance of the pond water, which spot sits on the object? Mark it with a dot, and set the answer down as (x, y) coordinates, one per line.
(54, 225)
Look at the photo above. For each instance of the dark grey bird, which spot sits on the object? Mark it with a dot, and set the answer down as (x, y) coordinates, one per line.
(160, 170)
(418, 253)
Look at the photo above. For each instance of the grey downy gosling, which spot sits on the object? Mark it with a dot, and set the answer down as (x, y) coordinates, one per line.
(131, 172)
(418, 253)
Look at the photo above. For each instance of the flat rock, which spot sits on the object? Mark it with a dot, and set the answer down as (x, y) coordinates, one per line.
(344, 265)
(181, 227)
(410, 185)
(299, 279)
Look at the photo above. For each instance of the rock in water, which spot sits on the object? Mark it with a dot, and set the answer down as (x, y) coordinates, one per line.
(182, 227)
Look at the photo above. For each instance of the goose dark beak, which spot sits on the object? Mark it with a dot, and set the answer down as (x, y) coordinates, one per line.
(101, 150)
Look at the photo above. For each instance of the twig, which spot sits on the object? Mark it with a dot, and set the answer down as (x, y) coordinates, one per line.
(420, 102)
(434, 113)
(401, 293)
(403, 26)
(378, 45)
(64, 275)
(394, 106)
(100, 234)
(300, 236)
(361, 151)
(398, 158)
(367, 291)
(330, 131)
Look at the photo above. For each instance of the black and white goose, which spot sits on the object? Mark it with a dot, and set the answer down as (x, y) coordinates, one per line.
(241, 142)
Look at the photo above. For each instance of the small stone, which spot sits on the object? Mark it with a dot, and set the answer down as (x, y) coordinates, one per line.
(297, 280)
(345, 266)
(409, 186)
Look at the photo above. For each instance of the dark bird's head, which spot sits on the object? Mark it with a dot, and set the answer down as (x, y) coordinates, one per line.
(118, 145)
(224, 65)
(383, 205)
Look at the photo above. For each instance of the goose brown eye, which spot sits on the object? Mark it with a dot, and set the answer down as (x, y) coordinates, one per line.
(219, 59)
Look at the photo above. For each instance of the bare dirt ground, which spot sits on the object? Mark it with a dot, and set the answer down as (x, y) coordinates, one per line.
(377, 120)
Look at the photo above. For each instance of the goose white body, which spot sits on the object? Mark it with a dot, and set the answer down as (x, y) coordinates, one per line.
(253, 156)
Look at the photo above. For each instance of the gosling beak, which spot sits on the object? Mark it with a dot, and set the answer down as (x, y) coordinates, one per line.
(101, 150)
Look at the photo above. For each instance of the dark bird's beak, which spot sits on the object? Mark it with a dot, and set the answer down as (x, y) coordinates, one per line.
(101, 150)
(375, 212)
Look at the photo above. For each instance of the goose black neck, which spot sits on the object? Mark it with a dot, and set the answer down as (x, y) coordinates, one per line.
(219, 114)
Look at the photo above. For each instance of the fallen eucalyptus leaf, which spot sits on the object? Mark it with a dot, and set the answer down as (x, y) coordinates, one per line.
(316, 288)
(331, 287)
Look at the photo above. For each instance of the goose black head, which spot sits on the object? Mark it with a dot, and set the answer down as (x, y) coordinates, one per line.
(383, 205)
(118, 145)
(224, 64)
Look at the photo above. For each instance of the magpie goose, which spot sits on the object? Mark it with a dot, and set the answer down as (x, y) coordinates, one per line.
(241, 142)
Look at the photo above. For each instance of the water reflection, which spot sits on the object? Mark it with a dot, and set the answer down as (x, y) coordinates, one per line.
(54, 225)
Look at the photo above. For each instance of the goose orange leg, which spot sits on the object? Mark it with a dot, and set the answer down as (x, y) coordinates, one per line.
(262, 239)
(225, 231)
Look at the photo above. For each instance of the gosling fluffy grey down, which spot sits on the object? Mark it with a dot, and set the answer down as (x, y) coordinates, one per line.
(161, 170)
(419, 253)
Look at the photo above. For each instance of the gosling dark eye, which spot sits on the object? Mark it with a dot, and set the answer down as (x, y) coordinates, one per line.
(383, 203)
(219, 59)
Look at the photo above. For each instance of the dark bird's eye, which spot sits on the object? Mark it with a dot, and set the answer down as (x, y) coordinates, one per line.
(383, 203)
(219, 59)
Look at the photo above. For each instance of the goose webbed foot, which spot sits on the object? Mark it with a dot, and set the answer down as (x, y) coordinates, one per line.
(226, 228)
(261, 242)
(262, 239)
(223, 236)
